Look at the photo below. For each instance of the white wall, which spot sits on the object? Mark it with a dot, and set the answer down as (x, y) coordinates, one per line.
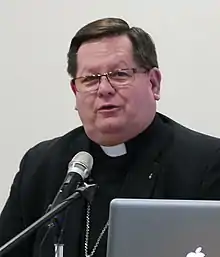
(35, 99)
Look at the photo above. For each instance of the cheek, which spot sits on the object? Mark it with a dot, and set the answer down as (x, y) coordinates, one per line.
(142, 99)
(85, 107)
(131, 102)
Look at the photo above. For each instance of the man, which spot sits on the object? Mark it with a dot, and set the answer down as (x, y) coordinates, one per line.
(137, 152)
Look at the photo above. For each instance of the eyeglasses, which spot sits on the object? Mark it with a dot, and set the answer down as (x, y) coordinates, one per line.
(118, 78)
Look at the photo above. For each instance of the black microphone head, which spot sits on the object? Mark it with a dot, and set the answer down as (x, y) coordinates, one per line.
(83, 161)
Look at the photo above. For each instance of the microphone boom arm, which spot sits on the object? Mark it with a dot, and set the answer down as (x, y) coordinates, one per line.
(87, 191)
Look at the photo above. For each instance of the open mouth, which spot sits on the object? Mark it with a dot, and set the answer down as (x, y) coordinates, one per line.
(108, 108)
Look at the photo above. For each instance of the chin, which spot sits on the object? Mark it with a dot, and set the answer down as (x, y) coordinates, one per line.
(106, 135)
(111, 127)
(108, 140)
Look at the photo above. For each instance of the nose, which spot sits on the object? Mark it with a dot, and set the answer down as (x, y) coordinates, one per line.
(105, 87)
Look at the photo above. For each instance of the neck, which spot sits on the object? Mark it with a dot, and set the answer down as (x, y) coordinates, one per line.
(114, 151)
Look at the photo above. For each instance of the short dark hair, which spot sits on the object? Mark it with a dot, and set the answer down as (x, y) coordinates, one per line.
(143, 46)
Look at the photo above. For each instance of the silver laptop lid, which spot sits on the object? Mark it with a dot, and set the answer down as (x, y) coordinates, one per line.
(163, 228)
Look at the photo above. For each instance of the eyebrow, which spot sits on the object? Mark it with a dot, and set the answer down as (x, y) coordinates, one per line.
(95, 70)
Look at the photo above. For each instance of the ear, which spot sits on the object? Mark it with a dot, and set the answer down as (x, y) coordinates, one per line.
(73, 86)
(155, 79)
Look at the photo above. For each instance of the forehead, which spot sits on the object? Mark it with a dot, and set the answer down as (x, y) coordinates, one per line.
(99, 55)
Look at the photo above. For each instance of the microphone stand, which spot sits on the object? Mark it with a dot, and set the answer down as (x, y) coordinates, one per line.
(87, 191)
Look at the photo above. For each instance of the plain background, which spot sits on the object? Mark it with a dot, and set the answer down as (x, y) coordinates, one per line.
(36, 102)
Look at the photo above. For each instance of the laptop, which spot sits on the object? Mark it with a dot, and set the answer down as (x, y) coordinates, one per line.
(163, 228)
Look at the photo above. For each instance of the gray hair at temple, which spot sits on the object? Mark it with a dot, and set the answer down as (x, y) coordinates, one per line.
(143, 46)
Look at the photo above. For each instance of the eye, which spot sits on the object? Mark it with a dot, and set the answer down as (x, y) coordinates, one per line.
(121, 74)
(89, 79)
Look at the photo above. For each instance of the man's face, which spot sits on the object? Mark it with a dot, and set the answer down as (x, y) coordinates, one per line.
(113, 115)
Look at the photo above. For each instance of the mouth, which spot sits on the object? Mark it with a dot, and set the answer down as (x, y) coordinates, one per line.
(108, 108)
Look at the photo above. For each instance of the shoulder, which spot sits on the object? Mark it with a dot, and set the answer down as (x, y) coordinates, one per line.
(192, 160)
(185, 138)
(47, 144)
(36, 154)
(41, 164)
(190, 150)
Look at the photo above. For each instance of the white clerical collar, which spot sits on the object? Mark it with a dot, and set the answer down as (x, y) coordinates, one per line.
(114, 151)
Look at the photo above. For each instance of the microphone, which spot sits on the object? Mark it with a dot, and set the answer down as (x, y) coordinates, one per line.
(79, 169)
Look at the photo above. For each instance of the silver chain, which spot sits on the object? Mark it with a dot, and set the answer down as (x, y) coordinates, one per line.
(87, 234)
